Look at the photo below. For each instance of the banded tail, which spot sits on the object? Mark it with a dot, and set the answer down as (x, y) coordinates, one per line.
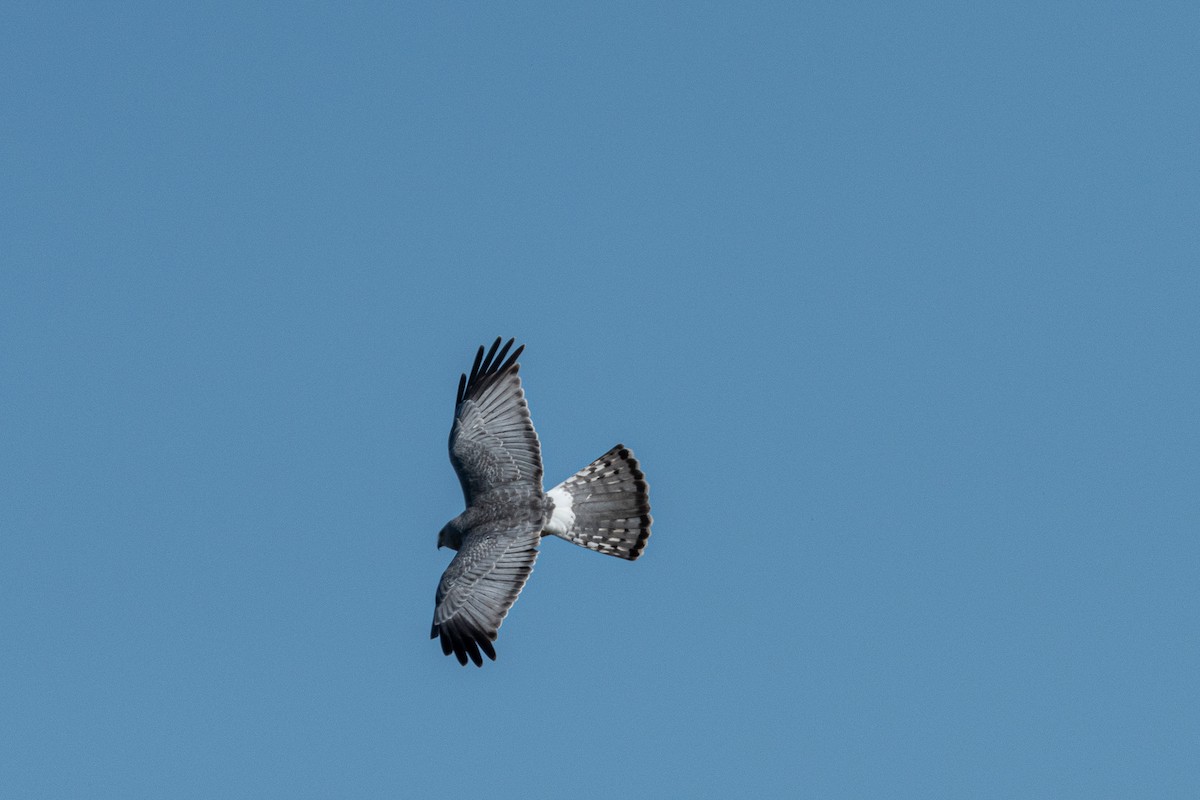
(604, 507)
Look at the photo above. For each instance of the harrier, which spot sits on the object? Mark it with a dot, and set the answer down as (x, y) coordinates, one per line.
(604, 507)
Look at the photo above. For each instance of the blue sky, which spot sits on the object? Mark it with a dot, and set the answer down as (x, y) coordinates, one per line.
(897, 304)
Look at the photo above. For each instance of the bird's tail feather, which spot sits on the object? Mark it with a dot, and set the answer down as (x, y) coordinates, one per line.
(605, 506)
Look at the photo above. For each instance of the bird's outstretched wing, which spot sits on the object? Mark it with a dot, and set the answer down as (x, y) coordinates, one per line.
(480, 586)
(492, 442)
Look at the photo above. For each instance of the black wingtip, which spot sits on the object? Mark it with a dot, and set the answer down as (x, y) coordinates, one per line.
(465, 645)
(487, 648)
(489, 364)
(503, 368)
(487, 360)
(473, 651)
(499, 357)
(475, 365)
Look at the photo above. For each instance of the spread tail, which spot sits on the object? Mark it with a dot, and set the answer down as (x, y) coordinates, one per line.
(605, 506)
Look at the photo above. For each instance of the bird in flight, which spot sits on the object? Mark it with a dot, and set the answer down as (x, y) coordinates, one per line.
(604, 507)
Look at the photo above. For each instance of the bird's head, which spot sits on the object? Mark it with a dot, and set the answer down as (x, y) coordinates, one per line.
(449, 536)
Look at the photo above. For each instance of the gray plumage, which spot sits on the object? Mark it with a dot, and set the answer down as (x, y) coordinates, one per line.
(496, 453)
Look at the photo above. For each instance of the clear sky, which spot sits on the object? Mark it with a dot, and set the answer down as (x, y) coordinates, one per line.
(897, 303)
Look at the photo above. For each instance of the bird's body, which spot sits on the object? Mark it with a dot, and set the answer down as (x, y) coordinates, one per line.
(497, 456)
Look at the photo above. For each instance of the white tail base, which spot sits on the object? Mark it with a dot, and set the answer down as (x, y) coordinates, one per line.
(563, 517)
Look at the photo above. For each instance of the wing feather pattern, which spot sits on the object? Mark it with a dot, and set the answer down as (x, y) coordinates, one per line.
(480, 586)
(492, 441)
